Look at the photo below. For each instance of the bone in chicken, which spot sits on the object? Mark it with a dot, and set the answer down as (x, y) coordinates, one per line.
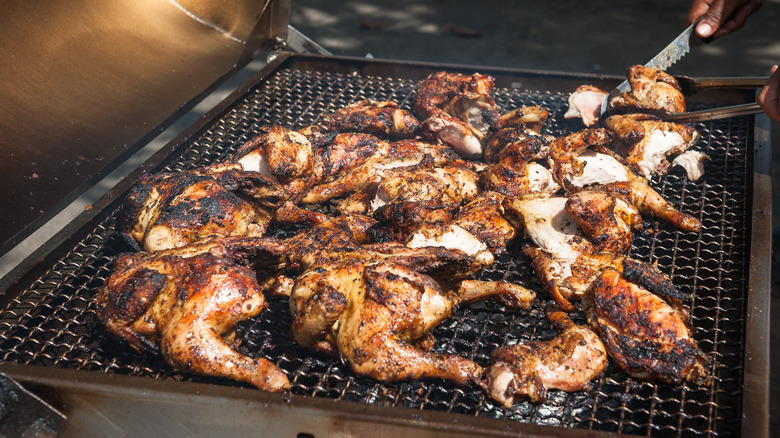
(170, 210)
(568, 362)
(456, 109)
(377, 315)
(647, 144)
(645, 335)
(563, 258)
(185, 303)
(383, 119)
(651, 90)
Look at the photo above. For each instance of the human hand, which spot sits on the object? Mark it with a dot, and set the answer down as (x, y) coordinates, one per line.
(769, 96)
(719, 17)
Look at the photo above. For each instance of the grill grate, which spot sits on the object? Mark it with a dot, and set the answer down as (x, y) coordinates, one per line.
(53, 322)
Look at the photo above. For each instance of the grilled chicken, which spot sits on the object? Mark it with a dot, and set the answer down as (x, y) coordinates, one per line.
(568, 362)
(185, 304)
(645, 335)
(383, 119)
(650, 203)
(651, 90)
(398, 157)
(647, 143)
(377, 316)
(513, 171)
(456, 109)
(562, 257)
(567, 158)
(478, 229)
(601, 217)
(170, 210)
(465, 97)
(585, 103)
(402, 203)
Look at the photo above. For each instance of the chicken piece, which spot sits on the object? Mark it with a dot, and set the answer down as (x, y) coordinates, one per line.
(456, 109)
(565, 261)
(459, 135)
(186, 306)
(516, 141)
(651, 203)
(595, 212)
(647, 143)
(565, 152)
(568, 362)
(399, 157)
(692, 162)
(383, 119)
(484, 218)
(513, 172)
(170, 210)
(377, 315)
(651, 90)
(647, 337)
(466, 98)
(585, 103)
(403, 203)
(532, 118)
(478, 227)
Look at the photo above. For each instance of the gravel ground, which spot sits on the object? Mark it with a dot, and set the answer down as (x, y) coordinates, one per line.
(581, 37)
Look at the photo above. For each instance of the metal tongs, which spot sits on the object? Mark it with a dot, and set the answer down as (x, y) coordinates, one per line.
(690, 86)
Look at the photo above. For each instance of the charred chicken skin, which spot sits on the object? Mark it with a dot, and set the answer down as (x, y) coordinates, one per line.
(647, 144)
(170, 210)
(383, 119)
(456, 109)
(645, 335)
(568, 362)
(652, 90)
(185, 305)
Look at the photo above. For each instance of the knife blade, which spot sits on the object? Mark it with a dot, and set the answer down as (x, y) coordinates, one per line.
(670, 54)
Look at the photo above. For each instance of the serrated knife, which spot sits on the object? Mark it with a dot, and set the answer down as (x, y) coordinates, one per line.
(663, 60)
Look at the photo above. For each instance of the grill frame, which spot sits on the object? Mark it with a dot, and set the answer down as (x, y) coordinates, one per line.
(755, 223)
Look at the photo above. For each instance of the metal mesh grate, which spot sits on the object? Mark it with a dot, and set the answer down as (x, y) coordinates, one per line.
(53, 321)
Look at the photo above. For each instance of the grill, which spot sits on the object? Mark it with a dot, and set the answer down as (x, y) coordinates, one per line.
(48, 318)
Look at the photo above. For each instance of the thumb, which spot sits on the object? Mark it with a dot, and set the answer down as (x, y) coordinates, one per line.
(712, 19)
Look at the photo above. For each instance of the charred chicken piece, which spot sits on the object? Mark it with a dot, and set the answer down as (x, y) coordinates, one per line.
(466, 97)
(170, 210)
(377, 315)
(649, 202)
(569, 165)
(647, 143)
(564, 260)
(645, 335)
(399, 157)
(568, 362)
(600, 216)
(651, 90)
(402, 203)
(456, 109)
(186, 304)
(514, 172)
(532, 118)
(383, 119)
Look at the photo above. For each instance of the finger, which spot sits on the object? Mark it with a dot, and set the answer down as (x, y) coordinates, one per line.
(698, 8)
(738, 18)
(769, 97)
